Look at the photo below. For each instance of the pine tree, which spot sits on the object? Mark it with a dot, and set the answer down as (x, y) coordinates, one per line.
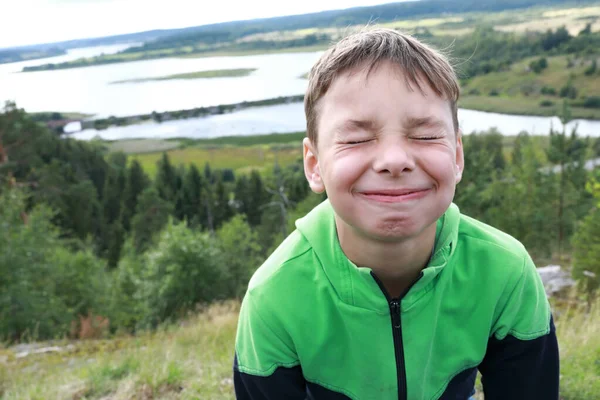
(222, 208)
(193, 208)
(179, 211)
(136, 182)
(166, 179)
(208, 174)
(257, 197)
(151, 216)
(241, 195)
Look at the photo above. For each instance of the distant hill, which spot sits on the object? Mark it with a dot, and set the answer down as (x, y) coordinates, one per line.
(345, 17)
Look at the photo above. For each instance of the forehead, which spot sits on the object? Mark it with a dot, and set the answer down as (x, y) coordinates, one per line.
(383, 94)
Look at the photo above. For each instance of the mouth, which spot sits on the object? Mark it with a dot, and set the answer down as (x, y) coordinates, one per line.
(394, 195)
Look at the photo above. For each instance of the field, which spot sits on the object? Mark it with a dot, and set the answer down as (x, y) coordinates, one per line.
(193, 360)
(240, 153)
(240, 53)
(221, 73)
(518, 91)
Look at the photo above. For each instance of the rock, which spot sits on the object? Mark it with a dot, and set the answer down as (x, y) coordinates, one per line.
(555, 279)
(38, 351)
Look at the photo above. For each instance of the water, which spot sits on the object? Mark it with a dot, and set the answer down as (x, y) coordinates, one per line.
(89, 90)
(290, 118)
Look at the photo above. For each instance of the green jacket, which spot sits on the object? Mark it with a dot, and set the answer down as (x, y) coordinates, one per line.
(314, 325)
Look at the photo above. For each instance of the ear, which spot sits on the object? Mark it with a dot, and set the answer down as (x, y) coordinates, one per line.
(311, 167)
(460, 157)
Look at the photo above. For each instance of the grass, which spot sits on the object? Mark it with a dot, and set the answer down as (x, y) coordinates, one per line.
(190, 360)
(238, 158)
(240, 153)
(519, 90)
(571, 18)
(219, 73)
(236, 53)
(193, 360)
(129, 146)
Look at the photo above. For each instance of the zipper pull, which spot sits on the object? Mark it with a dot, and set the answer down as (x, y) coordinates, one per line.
(395, 309)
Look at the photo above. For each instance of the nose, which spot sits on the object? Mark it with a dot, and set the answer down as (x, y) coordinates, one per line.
(393, 157)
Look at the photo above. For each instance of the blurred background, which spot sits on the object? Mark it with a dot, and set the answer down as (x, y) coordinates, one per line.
(150, 160)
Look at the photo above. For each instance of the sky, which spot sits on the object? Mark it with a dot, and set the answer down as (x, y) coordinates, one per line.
(43, 21)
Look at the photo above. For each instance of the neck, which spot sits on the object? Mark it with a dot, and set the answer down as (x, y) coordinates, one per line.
(397, 264)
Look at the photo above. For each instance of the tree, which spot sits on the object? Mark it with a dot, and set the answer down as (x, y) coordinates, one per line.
(184, 269)
(208, 175)
(151, 215)
(136, 182)
(586, 266)
(568, 154)
(539, 65)
(44, 285)
(222, 210)
(591, 70)
(587, 30)
(178, 203)
(241, 253)
(192, 201)
(166, 179)
(257, 197)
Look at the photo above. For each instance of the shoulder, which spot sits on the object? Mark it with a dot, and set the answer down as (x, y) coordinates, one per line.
(292, 259)
(481, 236)
(506, 269)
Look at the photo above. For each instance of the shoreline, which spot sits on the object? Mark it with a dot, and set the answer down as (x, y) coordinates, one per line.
(200, 112)
(133, 57)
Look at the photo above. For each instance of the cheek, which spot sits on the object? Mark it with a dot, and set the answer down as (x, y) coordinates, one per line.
(441, 165)
(342, 171)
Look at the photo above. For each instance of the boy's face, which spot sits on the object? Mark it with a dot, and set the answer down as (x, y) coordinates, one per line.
(387, 155)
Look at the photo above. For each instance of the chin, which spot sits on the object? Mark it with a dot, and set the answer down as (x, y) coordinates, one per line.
(393, 229)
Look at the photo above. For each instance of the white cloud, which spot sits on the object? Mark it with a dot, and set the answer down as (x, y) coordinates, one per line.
(43, 21)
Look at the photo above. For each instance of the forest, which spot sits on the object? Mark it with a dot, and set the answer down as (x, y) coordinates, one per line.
(91, 231)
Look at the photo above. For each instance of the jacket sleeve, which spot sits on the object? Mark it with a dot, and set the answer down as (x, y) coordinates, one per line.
(265, 364)
(522, 359)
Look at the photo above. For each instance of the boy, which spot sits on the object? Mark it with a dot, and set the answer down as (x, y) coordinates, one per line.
(386, 291)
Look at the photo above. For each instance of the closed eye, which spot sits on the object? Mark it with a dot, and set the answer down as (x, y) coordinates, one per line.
(427, 138)
(358, 141)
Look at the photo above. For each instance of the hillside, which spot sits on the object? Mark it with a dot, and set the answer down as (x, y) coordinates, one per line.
(231, 31)
(194, 360)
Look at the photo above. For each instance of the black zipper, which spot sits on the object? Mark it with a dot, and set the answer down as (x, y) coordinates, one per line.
(395, 313)
(398, 347)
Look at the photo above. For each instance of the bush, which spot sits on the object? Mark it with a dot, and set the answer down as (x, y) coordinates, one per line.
(569, 91)
(586, 265)
(494, 92)
(591, 70)
(592, 102)
(186, 268)
(474, 92)
(548, 91)
(539, 65)
(546, 103)
(44, 285)
(241, 253)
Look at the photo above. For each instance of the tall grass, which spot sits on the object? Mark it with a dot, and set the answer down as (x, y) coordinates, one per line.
(193, 360)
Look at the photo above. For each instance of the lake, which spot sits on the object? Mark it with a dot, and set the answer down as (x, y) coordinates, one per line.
(290, 118)
(89, 90)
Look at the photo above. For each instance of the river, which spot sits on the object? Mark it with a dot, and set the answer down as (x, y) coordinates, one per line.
(89, 90)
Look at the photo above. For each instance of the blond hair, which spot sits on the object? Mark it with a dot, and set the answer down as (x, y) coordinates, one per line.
(370, 47)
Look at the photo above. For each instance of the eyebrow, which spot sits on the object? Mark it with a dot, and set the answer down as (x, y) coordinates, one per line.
(357, 124)
(429, 122)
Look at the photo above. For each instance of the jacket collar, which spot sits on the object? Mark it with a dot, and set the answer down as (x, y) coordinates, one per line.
(355, 285)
